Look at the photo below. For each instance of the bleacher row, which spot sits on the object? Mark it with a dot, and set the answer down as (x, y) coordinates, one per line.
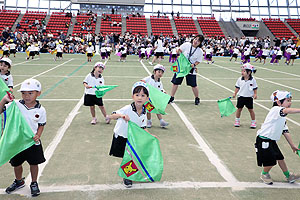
(59, 22)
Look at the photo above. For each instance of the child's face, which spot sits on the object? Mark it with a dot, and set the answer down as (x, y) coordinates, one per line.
(99, 70)
(244, 73)
(287, 103)
(158, 73)
(30, 96)
(3, 67)
(140, 98)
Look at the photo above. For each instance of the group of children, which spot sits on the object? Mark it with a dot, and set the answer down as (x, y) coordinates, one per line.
(268, 153)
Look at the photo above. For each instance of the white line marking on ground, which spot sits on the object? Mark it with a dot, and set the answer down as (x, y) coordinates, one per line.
(176, 100)
(212, 157)
(281, 72)
(160, 185)
(23, 62)
(46, 71)
(260, 78)
(294, 122)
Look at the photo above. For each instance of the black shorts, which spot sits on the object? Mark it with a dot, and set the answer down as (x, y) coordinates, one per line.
(91, 100)
(34, 155)
(191, 80)
(263, 57)
(108, 54)
(31, 53)
(142, 55)
(267, 152)
(293, 57)
(234, 55)
(245, 101)
(103, 54)
(208, 56)
(247, 57)
(159, 54)
(118, 145)
(6, 53)
(124, 55)
(12, 51)
(59, 54)
(278, 57)
(174, 55)
(37, 53)
(89, 55)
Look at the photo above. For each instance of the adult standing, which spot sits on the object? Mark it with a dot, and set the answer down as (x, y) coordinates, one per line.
(193, 52)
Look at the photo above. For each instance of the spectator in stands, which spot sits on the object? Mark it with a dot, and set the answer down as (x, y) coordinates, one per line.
(138, 14)
(114, 23)
(26, 21)
(178, 14)
(172, 14)
(112, 11)
(36, 21)
(104, 17)
(78, 12)
(18, 25)
(276, 41)
(50, 35)
(158, 13)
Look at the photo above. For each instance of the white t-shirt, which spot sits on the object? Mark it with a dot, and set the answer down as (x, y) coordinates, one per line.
(31, 48)
(90, 49)
(121, 126)
(59, 48)
(103, 49)
(266, 52)
(151, 81)
(279, 53)
(294, 52)
(208, 51)
(92, 81)
(159, 46)
(8, 79)
(34, 116)
(236, 51)
(5, 47)
(143, 50)
(12, 46)
(197, 54)
(289, 50)
(274, 124)
(246, 87)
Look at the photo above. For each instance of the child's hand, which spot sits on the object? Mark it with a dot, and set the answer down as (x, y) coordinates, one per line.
(294, 148)
(255, 96)
(88, 87)
(233, 96)
(8, 97)
(143, 81)
(36, 138)
(126, 118)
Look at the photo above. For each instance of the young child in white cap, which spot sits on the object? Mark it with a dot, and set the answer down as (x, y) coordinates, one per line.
(246, 89)
(155, 81)
(267, 151)
(35, 115)
(93, 79)
(135, 112)
(89, 52)
(5, 66)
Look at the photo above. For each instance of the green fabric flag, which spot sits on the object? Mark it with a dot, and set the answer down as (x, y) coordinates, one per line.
(158, 101)
(142, 160)
(3, 89)
(226, 107)
(298, 151)
(102, 89)
(17, 134)
(181, 67)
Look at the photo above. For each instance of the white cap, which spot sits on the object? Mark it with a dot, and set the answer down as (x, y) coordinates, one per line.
(159, 66)
(140, 83)
(279, 95)
(99, 64)
(248, 66)
(7, 60)
(30, 85)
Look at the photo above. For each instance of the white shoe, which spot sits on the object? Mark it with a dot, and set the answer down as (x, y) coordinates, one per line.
(163, 124)
(107, 119)
(94, 121)
(149, 124)
(150, 63)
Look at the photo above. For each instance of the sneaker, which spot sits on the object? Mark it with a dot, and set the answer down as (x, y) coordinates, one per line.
(17, 184)
(150, 63)
(149, 124)
(35, 191)
(171, 100)
(266, 178)
(197, 100)
(127, 183)
(107, 119)
(94, 121)
(237, 123)
(163, 124)
(293, 177)
(253, 125)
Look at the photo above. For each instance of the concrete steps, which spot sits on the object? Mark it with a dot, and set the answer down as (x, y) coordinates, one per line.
(149, 26)
(98, 25)
(198, 26)
(173, 25)
(13, 28)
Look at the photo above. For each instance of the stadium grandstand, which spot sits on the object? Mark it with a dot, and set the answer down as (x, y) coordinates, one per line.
(71, 46)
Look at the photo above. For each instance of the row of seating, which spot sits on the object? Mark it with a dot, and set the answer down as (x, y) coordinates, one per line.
(278, 28)
(161, 26)
(56, 26)
(210, 27)
(295, 24)
(29, 19)
(82, 19)
(8, 18)
(245, 19)
(136, 25)
(107, 24)
(185, 25)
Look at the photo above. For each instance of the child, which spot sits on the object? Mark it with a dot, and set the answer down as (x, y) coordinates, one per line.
(154, 80)
(123, 51)
(89, 52)
(235, 54)
(265, 54)
(208, 54)
(108, 51)
(246, 89)
(37, 49)
(31, 50)
(267, 151)
(103, 51)
(135, 112)
(142, 53)
(94, 78)
(5, 49)
(278, 56)
(12, 47)
(5, 66)
(293, 55)
(59, 48)
(35, 115)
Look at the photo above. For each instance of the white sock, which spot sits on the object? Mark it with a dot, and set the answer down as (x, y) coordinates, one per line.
(253, 121)
(237, 119)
